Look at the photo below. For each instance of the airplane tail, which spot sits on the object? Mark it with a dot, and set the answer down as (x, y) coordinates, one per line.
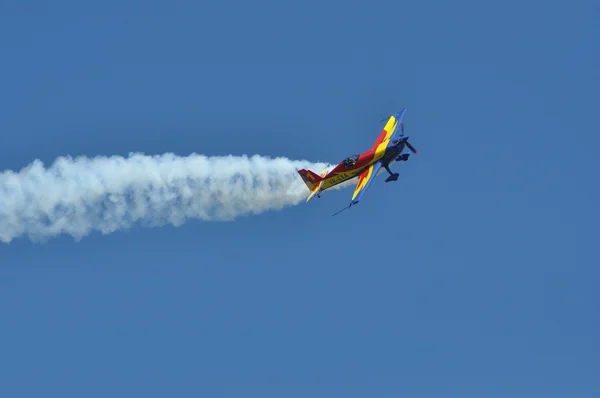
(312, 180)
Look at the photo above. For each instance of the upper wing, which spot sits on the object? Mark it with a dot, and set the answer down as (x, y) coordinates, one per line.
(390, 130)
(364, 180)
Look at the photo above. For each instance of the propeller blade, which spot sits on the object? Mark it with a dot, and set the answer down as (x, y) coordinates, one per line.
(412, 148)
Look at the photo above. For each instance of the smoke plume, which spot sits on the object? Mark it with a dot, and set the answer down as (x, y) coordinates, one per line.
(76, 196)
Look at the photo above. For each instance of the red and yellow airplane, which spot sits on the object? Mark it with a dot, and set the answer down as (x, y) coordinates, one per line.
(387, 149)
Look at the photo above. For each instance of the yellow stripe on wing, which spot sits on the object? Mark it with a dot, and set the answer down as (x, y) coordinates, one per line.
(363, 179)
(390, 127)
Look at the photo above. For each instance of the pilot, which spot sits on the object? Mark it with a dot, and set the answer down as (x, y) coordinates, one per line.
(350, 162)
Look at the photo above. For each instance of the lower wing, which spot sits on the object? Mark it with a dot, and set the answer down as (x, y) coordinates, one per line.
(364, 180)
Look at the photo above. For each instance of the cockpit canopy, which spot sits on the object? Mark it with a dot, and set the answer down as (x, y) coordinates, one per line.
(351, 160)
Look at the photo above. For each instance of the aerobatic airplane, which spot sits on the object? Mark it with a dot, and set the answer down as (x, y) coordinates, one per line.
(387, 149)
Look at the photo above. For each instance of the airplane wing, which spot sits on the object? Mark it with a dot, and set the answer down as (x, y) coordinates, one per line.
(364, 180)
(390, 130)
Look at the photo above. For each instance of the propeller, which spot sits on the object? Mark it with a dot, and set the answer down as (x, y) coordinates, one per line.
(412, 148)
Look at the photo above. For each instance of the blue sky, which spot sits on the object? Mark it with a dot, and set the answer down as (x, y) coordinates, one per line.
(475, 274)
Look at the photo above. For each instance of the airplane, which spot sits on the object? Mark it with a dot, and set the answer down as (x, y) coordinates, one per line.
(387, 149)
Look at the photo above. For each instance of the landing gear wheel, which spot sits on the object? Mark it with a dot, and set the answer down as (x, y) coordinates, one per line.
(393, 177)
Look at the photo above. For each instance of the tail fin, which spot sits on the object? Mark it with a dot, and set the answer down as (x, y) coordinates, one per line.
(310, 178)
(312, 181)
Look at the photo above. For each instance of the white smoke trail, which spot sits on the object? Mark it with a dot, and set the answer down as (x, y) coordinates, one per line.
(78, 195)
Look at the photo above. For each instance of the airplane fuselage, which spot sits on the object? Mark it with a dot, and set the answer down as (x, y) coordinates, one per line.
(386, 153)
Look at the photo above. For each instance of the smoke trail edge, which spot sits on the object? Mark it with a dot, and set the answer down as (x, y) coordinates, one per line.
(79, 195)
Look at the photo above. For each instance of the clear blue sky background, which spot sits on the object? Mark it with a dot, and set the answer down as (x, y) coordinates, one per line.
(476, 274)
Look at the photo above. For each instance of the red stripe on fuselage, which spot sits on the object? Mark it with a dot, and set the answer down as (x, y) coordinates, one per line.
(363, 160)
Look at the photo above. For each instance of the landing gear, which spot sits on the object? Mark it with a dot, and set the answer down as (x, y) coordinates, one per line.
(403, 157)
(393, 176)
